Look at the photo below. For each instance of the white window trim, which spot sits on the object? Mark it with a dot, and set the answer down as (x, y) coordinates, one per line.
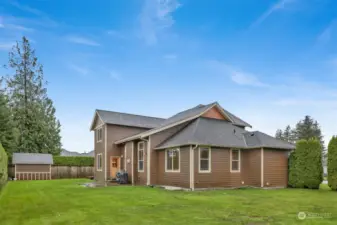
(172, 171)
(235, 171)
(138, 156)
(209, 160)
(96, 134)
(101, 169)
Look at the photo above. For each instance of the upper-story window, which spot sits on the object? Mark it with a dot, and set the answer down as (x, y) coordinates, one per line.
(99, 134)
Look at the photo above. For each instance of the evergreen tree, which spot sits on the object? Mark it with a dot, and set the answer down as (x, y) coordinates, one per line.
(305, 168)
(32, 109)
(332, 163)
(307, 129)
(288, 134)
(8, 131)
(279, 134)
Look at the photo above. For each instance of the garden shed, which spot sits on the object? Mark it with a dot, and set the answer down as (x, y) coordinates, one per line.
(32, 166)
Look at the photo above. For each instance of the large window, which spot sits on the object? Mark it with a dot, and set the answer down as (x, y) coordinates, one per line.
(172, 160)
(235, 160)
(141, 156)
(99, 162)
(99, 134)
(204, 159)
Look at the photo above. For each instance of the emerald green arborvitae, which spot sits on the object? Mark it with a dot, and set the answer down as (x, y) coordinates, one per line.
(8, 131)
(332, 163)
(305, 168)
(33, 111)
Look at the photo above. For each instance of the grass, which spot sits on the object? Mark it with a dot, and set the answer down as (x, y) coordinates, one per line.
(66, 202)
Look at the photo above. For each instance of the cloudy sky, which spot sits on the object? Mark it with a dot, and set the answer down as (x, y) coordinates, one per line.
(269, 62)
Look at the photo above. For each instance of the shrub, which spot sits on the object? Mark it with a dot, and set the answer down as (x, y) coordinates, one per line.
(73, 161)
(332, 163)
(306, 169)
(3, 167)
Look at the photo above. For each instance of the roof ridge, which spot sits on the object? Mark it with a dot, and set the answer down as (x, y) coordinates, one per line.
(132, 114)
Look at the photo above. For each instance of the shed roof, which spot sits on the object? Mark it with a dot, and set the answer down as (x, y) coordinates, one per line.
(213, 132)
(32, 158)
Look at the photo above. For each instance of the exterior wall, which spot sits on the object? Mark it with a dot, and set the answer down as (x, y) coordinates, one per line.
(32, 168)
(251, 167)
(221, 176)
(215, 114)
(155, 140)
(99, 148)
(128, 158)
(179, 179)
(114, 133)
(275, 168)
(111, 133)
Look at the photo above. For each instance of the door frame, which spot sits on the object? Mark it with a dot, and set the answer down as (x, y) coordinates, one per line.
(119, 164)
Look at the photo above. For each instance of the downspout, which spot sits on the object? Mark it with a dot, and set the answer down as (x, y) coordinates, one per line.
(148, 159)
(192, 166)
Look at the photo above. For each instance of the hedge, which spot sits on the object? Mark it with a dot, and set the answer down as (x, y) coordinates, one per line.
(305, 169)
(332, 163)
(3, 167)
(73, 161)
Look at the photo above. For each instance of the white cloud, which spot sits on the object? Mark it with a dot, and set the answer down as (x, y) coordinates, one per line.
(79, 69)
(326, 34)
(27, 8)
(17, 27)
(280, 5)
(115, 75)
(82, 40)
(170, 56)
(6, 46)
(116, 34)
(237, 75)
(156, 15)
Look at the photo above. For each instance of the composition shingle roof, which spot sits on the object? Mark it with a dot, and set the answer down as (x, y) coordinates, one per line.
(32, 158)
(186, 115)
(126, 119)
(206, 131)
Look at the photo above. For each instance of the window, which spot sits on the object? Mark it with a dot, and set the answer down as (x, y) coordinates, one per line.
(99, 162)
(235, 160)
(204, 159)
(141, 156)
(172, 160)
(99, 134)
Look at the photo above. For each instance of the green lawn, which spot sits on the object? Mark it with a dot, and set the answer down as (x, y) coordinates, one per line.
(66, 202)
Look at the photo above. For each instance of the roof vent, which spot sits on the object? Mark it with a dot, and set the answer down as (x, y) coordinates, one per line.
(200, 106)
(234, 131)
(252, 134)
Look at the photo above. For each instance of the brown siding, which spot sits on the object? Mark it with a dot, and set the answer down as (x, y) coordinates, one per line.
(220, 175)
(99, 149)
(115, 133)
(215, 114)
(251, 167)
(155, 140)
(275, 168)
(32, 168)
(128, 158)
(179, 179)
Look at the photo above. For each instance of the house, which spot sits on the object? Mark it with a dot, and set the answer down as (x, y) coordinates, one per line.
(32, 166)
(202, 147)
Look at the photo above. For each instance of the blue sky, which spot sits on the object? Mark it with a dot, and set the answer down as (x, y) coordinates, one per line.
(269, 62)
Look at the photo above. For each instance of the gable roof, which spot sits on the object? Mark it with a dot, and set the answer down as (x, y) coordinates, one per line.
(186, 116)
(32, 158)
(207, 131)
(126, 119)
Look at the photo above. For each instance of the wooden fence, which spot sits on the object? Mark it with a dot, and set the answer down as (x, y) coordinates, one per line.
(61, 172)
